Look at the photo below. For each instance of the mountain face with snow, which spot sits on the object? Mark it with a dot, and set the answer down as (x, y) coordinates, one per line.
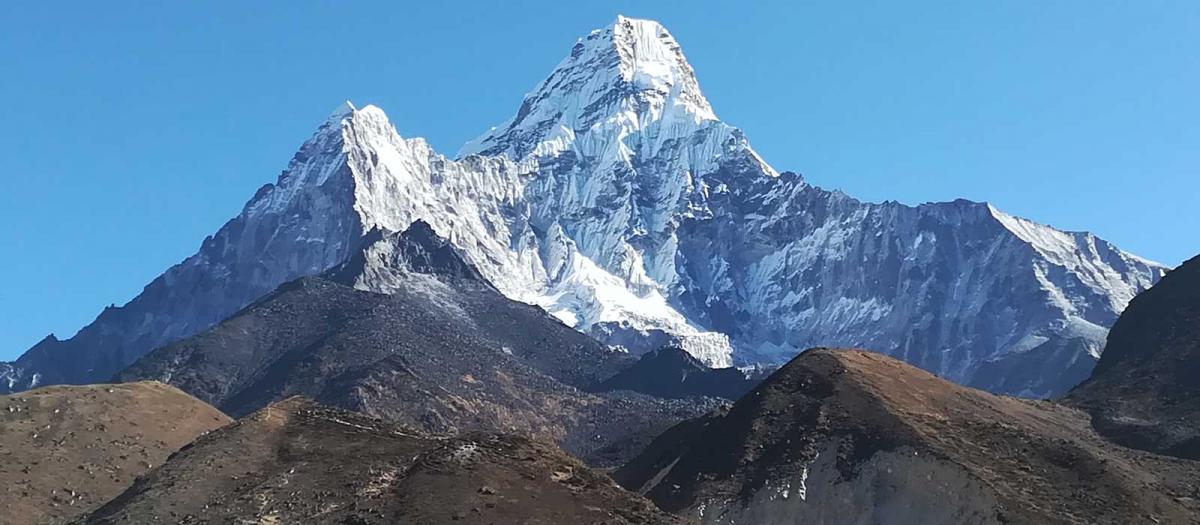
(619, 202)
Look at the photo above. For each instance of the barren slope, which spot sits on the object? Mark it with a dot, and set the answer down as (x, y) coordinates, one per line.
(298, 462)
(65, 450)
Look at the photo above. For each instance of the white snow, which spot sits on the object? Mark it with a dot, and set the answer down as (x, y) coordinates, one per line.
(1085, 256)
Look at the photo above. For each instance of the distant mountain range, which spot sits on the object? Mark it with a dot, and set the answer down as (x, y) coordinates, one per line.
(618, 202)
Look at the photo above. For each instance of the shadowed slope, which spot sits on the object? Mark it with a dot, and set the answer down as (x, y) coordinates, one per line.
(1145, 391)
(672, 372)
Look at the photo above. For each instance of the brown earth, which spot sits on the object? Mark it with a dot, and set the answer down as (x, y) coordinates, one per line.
(65, 450)
(299, 462)
(1009, 460)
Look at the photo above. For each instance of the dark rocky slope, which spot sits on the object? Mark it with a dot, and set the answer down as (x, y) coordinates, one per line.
(1145, 391)
(846, 436)
(442, 350)
(298, 462)
(673, 373)
(65, 450)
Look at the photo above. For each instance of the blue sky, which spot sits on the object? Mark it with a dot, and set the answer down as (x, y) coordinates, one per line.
(131, 131)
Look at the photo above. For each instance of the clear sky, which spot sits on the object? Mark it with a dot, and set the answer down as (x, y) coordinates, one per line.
(129, 131)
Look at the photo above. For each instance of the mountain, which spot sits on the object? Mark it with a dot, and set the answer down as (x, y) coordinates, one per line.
(441, 350)
(298, 462)
(616, 200)
(1145, 391)
(65, 450)
(671, 372)
(847, 436)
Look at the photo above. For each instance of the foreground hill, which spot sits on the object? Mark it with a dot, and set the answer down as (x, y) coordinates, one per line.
(846, 436)
(298, 462)
(65, 450)
(1145, 391)
(441, 350)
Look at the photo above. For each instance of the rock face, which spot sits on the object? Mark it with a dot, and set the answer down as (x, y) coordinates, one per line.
(617, 200)
(442, 351)
(298, 462)
(65, 450)
(1145, 391)
(673, 373)
(846, 436)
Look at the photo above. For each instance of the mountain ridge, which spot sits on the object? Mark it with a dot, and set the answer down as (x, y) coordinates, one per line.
(616, 201)
(408, 332)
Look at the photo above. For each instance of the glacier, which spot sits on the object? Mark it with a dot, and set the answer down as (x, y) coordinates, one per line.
(617, 200)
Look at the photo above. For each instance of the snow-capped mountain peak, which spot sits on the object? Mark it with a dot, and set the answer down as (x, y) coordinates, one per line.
(652, 60)
(615, 200)
(345, 109)
(631, 75)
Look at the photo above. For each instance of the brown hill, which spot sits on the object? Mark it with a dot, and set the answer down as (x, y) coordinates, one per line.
(65, 450)
(847, 436)
(299, 462)
(1145, 391)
